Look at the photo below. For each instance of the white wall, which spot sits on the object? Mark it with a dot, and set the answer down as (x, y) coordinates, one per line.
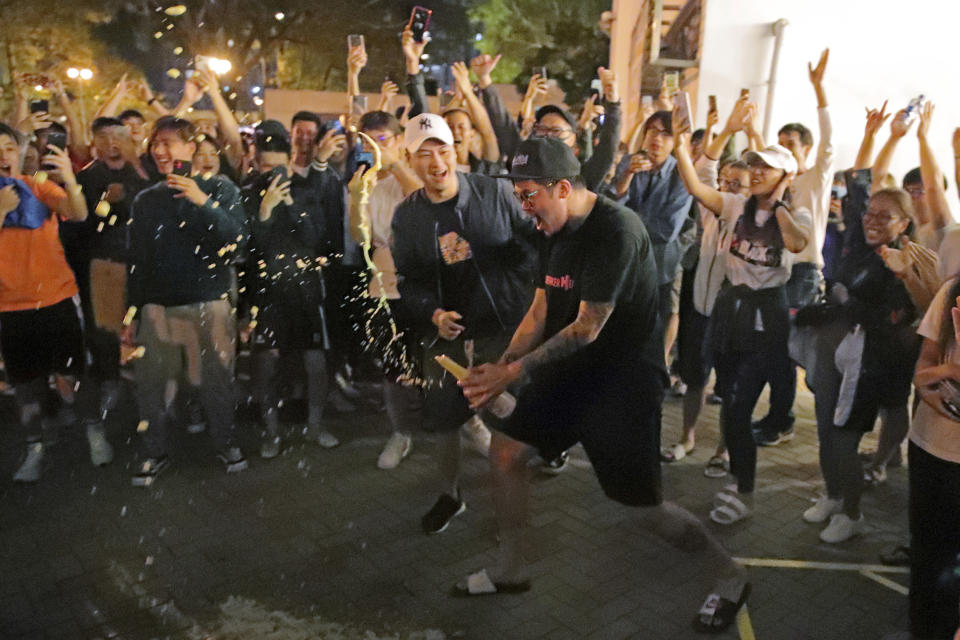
(879, 49)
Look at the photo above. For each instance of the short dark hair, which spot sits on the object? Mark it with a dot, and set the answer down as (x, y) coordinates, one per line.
(56, 126)
(380, 120)
(665, 118)
(733, 163)
(915, 176)
(130, 113)
(104, 122)
(7, 130)
(697, 136)
(447, 112)
(806, 138)
(183, 128)
(577, 182)
(306, 116)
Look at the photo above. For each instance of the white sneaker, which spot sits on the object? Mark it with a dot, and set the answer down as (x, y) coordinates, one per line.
(822, 510)
(327, 440)
(476, 435)
(101, 453)
(270, 448)
(30, 470)
(842, 527)
(397, 448)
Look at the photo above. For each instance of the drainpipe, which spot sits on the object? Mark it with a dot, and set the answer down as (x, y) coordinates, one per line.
(778, 28)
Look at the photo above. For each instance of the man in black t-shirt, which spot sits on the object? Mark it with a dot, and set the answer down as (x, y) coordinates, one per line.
(588, 359)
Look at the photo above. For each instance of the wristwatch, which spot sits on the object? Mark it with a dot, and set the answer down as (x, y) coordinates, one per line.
(780, 203)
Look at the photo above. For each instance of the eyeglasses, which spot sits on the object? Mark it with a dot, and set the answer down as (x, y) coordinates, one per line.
(880, 218)
(383, 137)
(543, 131)
(916, 192)
(526, 197)
(658, 132)
(730, 185)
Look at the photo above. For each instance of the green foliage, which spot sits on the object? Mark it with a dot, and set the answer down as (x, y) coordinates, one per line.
(561, 35)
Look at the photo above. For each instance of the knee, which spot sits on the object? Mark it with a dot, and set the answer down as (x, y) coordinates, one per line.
(507, 455)
(684, 533)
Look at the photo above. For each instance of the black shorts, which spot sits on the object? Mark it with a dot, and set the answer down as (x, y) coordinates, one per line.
(38, 342)
(292, 325)
(617, 421)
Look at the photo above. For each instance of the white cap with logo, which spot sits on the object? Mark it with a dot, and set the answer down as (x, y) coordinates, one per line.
(424, 127)
(776, 156)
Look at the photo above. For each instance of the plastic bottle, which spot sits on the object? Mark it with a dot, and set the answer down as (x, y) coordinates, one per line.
(501, 406)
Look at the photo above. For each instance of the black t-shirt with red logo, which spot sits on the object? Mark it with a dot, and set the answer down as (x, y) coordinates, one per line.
(607, 259)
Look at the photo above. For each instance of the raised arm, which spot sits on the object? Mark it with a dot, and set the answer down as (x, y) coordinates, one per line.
(229, 128)
(479, 115)
(595, 169)
(356, 61)
(899, 127)
(956, 158)
(930, 171)
(823, 167)
(146, 94)
(506, 128)
(79, 139)
(709, 197)
(388, 90)
(111, 106)
(875, 120)
(412, 52)
(192, 92)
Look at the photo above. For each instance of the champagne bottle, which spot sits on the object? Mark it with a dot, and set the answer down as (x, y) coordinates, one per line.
(501, 406)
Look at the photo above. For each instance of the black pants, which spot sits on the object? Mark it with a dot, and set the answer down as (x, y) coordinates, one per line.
(934, 546)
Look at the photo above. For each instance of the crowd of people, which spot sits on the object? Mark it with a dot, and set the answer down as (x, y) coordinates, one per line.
(555, 262)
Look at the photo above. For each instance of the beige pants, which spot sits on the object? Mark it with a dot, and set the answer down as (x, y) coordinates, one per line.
(108, 284)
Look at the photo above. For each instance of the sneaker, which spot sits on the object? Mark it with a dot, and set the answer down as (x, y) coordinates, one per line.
(714, 399)
(195, 420)
(476, 435)
(149, 470)
(324, 438)
(347, 388)
(397, 448)
(765, 438)
(555, 466)
(822, 510)
(233, 459)
(270, 448)
(339, 402)
(446, 509)
(678, 389)
(842, 527)
(101, 453)
(32, 465)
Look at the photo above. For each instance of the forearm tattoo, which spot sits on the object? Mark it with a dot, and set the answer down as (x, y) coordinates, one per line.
(578, 334)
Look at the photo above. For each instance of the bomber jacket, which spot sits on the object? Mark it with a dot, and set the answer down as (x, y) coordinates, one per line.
(502, 240)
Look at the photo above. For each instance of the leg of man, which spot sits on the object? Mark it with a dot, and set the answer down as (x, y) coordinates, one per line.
(265, 385)
(315, 365)
(216, 329)
(160, 365)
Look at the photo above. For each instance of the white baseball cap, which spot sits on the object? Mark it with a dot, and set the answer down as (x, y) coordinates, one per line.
(776, 156)
(424, 127)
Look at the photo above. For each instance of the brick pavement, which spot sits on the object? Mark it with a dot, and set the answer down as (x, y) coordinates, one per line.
(322, 544)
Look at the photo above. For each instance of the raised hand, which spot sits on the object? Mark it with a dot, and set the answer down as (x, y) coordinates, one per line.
(412, 51)
(357, 60)
(331, 143)
(388, 90)
(590, 111)
(816, 73)
(926, 116)
(483, 65)
(536, 87)
(276, 193)
(875, 119)
(461, 76)
(188, 189)
(608, 79)
(900, 124)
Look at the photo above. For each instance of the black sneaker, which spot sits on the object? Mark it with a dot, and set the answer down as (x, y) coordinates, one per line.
(555, 466)
(149, 470)
(446, 509)
(765, 438)
(233, 459)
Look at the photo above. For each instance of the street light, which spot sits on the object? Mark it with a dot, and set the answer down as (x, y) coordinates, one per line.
(86, 74)
(73, 73)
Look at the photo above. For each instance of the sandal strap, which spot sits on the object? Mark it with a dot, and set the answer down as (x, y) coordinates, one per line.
(725, 515)
(710, 605)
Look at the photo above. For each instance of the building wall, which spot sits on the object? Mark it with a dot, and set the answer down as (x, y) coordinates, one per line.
(878, 50)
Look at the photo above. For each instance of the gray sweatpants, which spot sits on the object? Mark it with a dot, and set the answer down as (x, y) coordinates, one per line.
(199, 338)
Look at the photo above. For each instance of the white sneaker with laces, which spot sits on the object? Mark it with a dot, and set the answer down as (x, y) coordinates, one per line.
(842, 527)
(476, 435)
(101, 453)
(397, 448)
(32, 466)
(327, 440)
(822, 510)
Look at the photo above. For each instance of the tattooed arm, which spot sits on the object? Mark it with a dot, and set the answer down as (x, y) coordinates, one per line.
(529, 333)
(490, 380)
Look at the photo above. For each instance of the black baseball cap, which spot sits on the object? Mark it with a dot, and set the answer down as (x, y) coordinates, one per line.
(271, 135)
(544, 159)
(560, 111)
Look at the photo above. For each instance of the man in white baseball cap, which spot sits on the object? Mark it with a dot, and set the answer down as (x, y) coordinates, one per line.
(465, 267)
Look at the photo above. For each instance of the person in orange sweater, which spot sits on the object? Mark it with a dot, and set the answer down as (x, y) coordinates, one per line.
(40, 329)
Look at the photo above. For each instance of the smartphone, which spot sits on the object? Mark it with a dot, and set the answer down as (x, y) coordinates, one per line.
(39, 106)
(338, 127)
(681, 100)
(646, 102)
(201, 63)
(744, 93)
(56, 138)
(182, 167)
(359, 105)
(419, 22)
(365, 159)
(355, 41)
(712, 100)
(542, 71)
(446, 98)
(596, 87)
(672, 82)
(279, 170)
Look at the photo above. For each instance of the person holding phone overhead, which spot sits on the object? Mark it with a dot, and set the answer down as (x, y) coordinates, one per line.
(184, 233)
